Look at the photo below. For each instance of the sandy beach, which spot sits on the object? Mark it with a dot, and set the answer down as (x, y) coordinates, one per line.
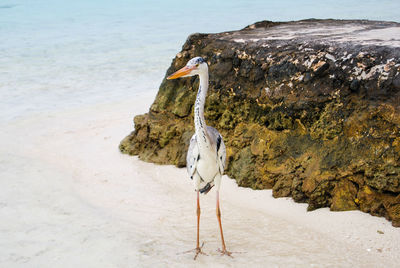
(70, 198)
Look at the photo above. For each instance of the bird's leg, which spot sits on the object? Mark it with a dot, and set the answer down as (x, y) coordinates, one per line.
(223, 251)
(198, 221)
(198, 248)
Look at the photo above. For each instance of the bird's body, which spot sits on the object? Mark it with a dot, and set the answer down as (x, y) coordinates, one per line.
(206, 154)
(205, 167)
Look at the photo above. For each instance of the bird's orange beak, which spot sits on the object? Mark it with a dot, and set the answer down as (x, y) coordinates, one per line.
(181, 72)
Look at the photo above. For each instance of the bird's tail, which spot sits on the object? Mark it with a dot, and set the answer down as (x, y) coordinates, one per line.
(206, 188)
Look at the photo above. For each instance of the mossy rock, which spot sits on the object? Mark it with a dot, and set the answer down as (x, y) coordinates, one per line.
(318, 121)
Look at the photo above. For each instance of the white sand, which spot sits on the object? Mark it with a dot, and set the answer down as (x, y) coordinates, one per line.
(70, 199)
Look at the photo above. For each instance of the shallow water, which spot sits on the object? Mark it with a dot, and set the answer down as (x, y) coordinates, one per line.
(62, 54)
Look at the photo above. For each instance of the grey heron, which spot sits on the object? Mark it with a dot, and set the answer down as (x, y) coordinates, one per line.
(206, 155)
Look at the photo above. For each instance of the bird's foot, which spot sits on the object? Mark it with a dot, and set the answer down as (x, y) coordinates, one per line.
(197, 251)
(225, 252)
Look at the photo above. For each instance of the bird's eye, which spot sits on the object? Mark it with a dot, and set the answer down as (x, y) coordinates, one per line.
(197, 65)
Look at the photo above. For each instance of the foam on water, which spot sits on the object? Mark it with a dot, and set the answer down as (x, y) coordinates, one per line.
(63, 54)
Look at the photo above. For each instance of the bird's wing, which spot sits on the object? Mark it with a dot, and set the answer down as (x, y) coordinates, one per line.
(192, 156)
(221, 154)
(220, 147)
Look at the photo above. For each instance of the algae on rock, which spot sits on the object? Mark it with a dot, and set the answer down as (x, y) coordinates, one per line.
(317, 119)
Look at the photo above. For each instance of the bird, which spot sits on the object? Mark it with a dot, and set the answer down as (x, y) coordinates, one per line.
(206, 155)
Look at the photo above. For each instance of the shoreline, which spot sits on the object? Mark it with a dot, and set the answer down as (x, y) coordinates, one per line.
(70, 197)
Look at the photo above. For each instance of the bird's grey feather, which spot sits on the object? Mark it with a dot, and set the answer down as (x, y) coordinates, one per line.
(221, 150)
(193, 154)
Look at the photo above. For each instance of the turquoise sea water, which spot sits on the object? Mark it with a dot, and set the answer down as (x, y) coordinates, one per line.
(63, 54)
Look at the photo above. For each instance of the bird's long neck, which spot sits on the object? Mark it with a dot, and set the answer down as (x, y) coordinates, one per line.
(203, 139)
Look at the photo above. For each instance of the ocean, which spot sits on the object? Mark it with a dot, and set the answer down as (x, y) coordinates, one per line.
(59, 55)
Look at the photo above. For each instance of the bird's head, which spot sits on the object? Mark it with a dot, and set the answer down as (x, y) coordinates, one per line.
(193, 67)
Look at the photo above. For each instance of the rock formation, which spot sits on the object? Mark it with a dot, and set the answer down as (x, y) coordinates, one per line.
(310, 109)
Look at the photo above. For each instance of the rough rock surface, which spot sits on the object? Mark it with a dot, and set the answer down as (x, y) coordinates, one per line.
(310, 109)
